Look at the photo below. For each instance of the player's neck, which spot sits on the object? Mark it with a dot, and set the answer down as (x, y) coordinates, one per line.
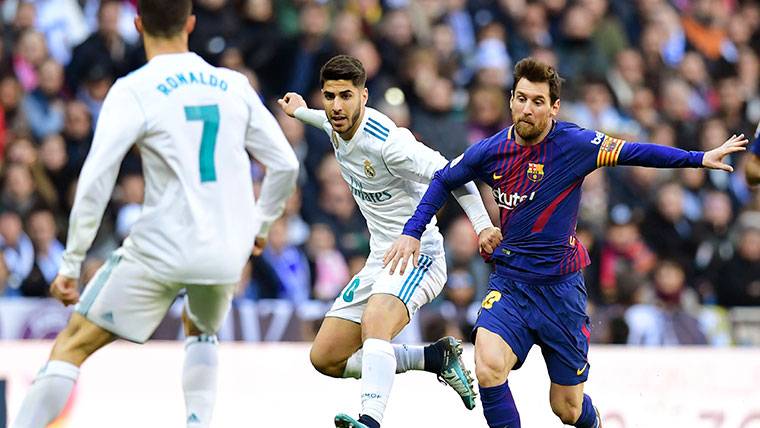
(346, 136)
(155, 46)
(532, 142)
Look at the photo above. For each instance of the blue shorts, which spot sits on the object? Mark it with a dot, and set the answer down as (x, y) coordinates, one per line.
(552, 316)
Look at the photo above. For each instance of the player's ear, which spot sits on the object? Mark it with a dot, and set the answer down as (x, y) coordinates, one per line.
(511, 97)
(365, 95)
(555, 108)
(190, 24)
(138, 24)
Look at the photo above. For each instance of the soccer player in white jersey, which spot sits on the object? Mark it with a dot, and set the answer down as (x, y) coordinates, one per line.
(387, 170)
(193, 124)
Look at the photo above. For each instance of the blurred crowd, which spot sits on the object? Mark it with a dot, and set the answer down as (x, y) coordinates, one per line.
(672, 250)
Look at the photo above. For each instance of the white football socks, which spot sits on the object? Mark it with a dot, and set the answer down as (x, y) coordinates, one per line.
(48, 395)
(378, 368)
(199, 382)
(408, 357)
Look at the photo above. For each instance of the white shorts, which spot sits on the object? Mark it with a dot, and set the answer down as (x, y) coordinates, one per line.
(126, 300)
(415, 288)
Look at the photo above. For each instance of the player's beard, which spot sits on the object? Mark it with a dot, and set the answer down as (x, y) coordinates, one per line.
(529, 131)
(349, 123)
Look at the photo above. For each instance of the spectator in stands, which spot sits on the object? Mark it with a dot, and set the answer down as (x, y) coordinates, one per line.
(462, 253)
(19, 193)
(487, 111)
(220, 20)
(62, 22)
(11, 97)
(31, 51)
(626, 76)
(17, 251)
(47, 253)
(77, 132)
(667, 230)
(258, 40)
(579, 55)
(670, 317)
(298, 229)
(54, 160)
(22, 152)
(715, 248)
(289, 264)
(623, 253)
(329, 267)
(44, 107)
(396, 41)
(435, 121)
(338, 210)
(493, 64)
(346, 31)
(597, 111)
(738, 282)
(299, 59)
(105, 50)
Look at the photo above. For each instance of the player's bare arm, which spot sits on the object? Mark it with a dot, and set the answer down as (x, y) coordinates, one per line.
(713, 159)
(290, 102)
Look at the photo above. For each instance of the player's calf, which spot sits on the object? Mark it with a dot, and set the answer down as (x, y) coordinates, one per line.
(80, 339)
(576, 411)
(53, 384)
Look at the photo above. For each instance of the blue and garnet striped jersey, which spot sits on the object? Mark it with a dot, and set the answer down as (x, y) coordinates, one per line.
(538, 191)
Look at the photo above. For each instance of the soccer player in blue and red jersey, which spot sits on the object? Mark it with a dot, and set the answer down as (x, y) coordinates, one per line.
(752, 172)
(537, 294)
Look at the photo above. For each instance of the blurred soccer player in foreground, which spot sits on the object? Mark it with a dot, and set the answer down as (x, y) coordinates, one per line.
(193, 124)
(537, 294)
(388, 171)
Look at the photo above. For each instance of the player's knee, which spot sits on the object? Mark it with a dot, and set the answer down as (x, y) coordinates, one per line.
(490, 371)
(567, 411)
(322, 362)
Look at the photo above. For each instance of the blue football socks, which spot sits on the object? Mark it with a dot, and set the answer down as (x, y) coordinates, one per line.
(499, 407)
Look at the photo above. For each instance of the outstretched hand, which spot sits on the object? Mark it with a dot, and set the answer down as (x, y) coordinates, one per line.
(65, 289)
(713, 159)
(290, 102)
(402, 250)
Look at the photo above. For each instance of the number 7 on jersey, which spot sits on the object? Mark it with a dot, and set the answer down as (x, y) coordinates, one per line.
(210, 116)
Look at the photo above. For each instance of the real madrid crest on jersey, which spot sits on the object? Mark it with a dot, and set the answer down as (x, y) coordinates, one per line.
(369, 169)
(535, 171)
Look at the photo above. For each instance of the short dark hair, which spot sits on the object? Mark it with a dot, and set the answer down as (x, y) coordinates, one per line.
(343, 67)
(164, 18)
(538, 72)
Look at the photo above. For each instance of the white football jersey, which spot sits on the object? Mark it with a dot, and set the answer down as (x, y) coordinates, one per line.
(388, 171)
(192, 123)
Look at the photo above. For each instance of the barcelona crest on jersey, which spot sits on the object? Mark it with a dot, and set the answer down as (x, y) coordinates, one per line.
(535, 171)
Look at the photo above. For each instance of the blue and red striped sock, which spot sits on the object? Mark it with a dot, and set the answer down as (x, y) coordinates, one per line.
(499, 407)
